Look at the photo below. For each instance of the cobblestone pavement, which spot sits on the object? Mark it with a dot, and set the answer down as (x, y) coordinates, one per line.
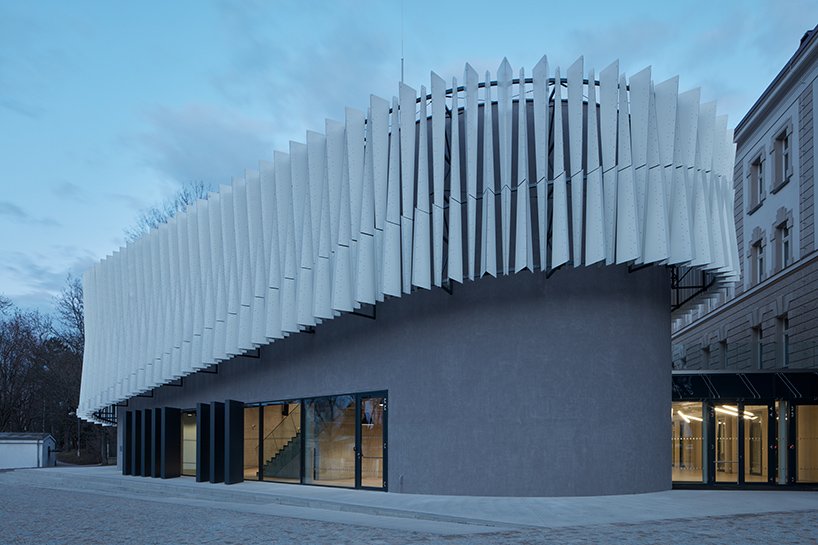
(33, 515)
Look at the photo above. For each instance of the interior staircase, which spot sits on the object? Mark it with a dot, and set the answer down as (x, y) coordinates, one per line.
(282, 448)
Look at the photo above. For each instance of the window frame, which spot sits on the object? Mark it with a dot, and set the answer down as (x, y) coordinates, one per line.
(756, 187)
(782, 152)
(757, 265)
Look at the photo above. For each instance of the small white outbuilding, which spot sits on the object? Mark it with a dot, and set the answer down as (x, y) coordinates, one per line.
(23, 449)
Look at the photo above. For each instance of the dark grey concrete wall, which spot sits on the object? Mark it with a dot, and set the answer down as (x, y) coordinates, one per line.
(513, 386)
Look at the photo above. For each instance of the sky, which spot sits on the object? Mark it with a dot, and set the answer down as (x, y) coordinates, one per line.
(106, 108)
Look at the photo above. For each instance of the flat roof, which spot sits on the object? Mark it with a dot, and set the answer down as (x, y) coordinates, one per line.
(23, 436)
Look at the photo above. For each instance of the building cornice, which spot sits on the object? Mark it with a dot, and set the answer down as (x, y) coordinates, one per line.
(769, 282)
(786, 79)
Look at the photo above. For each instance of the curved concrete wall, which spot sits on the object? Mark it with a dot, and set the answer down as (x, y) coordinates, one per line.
(509, 386)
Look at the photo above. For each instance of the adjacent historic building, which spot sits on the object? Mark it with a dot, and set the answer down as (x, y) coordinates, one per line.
(746, 406)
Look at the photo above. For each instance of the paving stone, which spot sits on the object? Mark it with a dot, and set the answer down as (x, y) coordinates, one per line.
(35, 512)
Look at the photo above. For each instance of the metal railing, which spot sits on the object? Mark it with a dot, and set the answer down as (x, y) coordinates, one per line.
(278, 438)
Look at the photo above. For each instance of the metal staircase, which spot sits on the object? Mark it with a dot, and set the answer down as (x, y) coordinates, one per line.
(282, 448)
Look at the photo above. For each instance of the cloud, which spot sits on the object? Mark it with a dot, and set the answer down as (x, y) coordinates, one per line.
(130, 201)
(33, 280)
(202, 143)
(276, 63)
(19, 107)
(15, 213)
(70, 191)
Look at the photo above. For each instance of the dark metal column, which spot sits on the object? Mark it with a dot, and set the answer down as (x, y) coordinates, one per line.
(710, 442)
(127, 459)
(136, 444)
(171, 442)
(792, 433)
(202, 442)
(741, 434)
(233, 441)
(216, 442)
(156, 451)
(147, 444)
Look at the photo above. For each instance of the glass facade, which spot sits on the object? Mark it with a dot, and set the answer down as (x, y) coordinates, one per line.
(806, 443)
(251, 442)
(281, 442)
(772, 443)
(726, 451)
(686, 445)
(330, 441)
(756, 443)
(335, 440)
(372, 441)
(189, 443)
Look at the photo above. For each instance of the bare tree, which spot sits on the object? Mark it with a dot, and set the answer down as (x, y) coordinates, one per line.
(155, 216)
(22, 334)
(71, 314)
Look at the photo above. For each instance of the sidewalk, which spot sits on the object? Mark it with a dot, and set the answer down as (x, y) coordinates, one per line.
(437, 514)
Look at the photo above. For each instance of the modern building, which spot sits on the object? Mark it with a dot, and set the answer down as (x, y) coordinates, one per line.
(746, 393)
(460, 292)
(24, 449)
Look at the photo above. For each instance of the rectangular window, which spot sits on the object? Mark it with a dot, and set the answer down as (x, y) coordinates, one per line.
(280, 442)
(806, 444)
(783, 159)
(705, 356)
(784, 245)
(757, 181)
(687, 441)
(757, 265)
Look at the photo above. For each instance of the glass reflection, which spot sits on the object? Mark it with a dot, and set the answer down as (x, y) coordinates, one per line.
(372, 441)
(806, 443)
(330, 441)
(687, 441)
(189, 443)
(251, 443)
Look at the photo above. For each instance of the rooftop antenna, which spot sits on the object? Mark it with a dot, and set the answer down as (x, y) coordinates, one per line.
(401, 41)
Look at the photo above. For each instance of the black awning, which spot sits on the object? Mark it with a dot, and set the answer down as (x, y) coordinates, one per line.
(789, 385)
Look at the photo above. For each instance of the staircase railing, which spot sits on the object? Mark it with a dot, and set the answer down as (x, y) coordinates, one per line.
(275, 441)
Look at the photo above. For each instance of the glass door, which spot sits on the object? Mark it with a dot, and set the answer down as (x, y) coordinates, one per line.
(727, 455)
(687, 441)
(806, 443)
(756, 443)
(330, 441)
(189, 443)
(370, 450)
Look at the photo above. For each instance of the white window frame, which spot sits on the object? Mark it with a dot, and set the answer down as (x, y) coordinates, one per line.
(782, 158)
(756, 185)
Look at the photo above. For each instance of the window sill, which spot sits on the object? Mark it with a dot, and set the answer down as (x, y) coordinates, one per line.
(776, 188)
(755, 207)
